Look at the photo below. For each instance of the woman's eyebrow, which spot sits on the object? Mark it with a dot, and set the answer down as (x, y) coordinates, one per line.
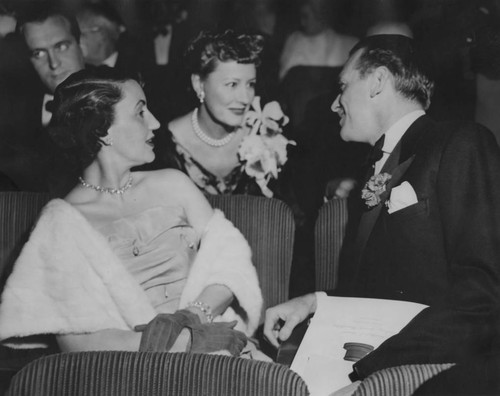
(140, 103)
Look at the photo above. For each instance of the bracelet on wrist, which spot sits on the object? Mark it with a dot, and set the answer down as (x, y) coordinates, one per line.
(205, 308)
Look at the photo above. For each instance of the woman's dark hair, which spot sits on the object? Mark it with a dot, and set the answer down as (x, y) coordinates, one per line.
(83, 111)
(209, 48)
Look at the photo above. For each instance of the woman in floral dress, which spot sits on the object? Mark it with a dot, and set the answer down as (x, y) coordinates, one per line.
(210, 143)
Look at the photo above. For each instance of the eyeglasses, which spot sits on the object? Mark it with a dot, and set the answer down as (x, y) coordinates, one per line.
(91, 30)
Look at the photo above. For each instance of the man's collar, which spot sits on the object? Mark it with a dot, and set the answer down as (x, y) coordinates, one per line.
(46, 114)
(398, 129)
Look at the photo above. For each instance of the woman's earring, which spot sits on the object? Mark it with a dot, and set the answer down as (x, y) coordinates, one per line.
(201, 96)
(107, 140)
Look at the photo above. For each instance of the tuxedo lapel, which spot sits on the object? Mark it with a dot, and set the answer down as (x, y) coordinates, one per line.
(369, 217)
(396, 165)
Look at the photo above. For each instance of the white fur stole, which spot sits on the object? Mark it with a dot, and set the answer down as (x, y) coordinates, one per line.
(67, 279)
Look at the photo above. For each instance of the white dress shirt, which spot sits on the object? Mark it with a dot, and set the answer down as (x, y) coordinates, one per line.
(46, 115)
(394, 135)
(162, 46)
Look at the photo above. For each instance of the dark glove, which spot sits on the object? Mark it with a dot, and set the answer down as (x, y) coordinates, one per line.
(160, 334)
(213, 337)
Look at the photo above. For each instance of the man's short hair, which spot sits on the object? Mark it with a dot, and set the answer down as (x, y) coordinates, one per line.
(39, 13)
(399, 54)
(105, 10)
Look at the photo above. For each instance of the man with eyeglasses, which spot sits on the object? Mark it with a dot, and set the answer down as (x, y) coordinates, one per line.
(105, 40)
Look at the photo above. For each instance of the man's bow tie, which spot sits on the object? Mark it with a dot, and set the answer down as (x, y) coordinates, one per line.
(376, 153)
(161, 30)
(49, 106)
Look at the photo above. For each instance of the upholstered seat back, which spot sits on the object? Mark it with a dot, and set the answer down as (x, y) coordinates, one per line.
(18, 213)
(328, 237)
(154, 374)
(269, 227)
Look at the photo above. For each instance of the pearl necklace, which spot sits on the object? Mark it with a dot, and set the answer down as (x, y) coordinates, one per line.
(107, 190)
(204, 137)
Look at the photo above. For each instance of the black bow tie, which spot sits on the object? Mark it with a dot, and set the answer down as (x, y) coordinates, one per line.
(161, 30)
(376, 153)
(49, 106)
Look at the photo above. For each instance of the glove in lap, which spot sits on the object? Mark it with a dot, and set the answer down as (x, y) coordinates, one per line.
(160, 334)
(213, 337)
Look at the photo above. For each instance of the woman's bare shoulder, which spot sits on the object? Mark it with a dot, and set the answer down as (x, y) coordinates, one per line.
(168, 185)
(170, 179)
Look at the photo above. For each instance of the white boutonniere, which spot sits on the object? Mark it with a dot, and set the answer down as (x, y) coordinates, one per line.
(263, 151)
(374, 188)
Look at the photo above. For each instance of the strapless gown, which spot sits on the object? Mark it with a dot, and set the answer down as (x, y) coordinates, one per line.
(157, 246)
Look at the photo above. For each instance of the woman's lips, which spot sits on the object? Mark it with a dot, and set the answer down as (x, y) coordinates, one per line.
(239, 112)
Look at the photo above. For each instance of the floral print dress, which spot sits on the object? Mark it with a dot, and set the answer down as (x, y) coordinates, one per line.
(203, 178)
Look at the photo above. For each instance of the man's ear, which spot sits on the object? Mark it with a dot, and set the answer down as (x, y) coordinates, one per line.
(380, 80)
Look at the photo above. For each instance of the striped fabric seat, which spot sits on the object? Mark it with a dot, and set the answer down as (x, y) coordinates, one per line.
(111, 373)
(18, 212)
(400, 380)
(269, 227)
(328, 236)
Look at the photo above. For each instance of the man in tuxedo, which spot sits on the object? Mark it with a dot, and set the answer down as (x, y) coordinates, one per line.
(169, 32)
(52, 44)
(427, 226)
(106, 41)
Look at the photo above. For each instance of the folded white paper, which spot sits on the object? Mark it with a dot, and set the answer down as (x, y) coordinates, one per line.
(340, 320)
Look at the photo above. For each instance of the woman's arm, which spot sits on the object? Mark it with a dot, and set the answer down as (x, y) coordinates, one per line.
(109, 340)
(199, 212)
(113, 340)
(216, 297)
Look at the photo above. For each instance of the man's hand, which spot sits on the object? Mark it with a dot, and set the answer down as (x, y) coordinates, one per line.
(291, 313)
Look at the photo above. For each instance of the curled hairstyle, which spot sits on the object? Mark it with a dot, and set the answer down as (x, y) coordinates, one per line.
(83, 111)
(398, 54)
(209, 48)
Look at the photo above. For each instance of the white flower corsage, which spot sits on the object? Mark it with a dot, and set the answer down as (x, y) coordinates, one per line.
(263, 150)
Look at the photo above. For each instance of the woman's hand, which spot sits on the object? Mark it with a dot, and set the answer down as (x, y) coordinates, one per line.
(161, 333)
(213, 337)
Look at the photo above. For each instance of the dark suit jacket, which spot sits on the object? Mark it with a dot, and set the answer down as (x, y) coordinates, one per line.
(168, 87)
(21, 130)
(443, 251)
(28, 156)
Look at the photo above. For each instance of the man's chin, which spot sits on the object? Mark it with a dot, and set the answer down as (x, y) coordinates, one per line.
(52, 85)
(345, 135)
